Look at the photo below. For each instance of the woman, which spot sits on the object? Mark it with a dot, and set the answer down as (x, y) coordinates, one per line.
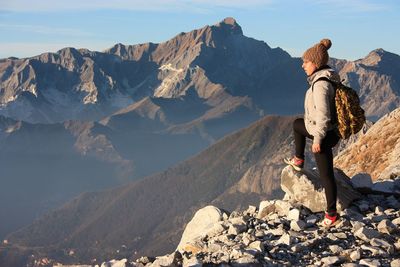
(319, 123)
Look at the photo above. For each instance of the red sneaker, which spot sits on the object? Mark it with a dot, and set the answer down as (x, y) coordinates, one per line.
(295, 162)
(330, 221)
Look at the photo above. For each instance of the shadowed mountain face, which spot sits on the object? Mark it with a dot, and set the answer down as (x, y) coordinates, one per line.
(148, 215)
(44, 165)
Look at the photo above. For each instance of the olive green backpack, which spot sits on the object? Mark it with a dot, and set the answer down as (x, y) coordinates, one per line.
(350, 117)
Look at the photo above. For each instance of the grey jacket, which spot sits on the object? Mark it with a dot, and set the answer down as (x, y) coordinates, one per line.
(319, 104)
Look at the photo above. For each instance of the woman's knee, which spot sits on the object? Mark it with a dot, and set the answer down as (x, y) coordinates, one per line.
(298, 124)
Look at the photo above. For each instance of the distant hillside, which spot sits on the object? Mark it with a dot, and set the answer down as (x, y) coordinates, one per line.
(148, 215)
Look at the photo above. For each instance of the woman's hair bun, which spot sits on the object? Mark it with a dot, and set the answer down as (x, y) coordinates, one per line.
(326, 42)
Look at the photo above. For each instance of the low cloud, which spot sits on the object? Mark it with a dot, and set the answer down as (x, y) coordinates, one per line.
(39, 29)
(24, 49)
(149, 5)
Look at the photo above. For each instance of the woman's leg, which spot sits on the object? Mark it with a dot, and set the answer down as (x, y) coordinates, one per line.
(324, 161)
(300, 134)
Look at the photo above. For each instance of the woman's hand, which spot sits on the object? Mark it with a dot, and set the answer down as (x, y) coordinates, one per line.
(316, 148)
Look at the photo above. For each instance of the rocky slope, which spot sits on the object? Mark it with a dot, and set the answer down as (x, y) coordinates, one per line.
(287, 232)
(377, 152)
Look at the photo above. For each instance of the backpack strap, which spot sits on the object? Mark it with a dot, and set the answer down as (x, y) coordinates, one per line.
(334, 118)
(324, 79)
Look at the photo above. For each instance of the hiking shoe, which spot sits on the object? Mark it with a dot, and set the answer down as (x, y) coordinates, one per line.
(329, 221)
(295, 162)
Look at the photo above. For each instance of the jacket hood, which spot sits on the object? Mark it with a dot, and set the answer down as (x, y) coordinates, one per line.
(327, 72)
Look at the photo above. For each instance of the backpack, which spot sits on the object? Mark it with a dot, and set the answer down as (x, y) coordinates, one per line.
(350, 117)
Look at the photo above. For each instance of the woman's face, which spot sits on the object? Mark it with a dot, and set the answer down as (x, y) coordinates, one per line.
(309, 67)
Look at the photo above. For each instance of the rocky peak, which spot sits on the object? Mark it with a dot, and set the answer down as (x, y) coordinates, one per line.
(230, 25)
(381, 57)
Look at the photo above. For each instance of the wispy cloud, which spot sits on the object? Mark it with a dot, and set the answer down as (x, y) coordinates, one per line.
(39, 29)
(25, 49)
(149, 5)
(360, 6)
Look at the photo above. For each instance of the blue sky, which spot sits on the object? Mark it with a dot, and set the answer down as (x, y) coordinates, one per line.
(356, 27)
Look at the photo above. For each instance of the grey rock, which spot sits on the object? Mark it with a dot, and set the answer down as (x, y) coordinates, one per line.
(236, 229)
(362, 180)
(144, 260)
(276, 232)
(357, 225)
(312, 219)
(352, 215)
(251, 210)
(340, 235)
(297, 247)
(203, 220)
(376, 251)
(377, 218)
(332, 237)
(265, 208)
(297, 225)
(285, 239)
(192, 262)
(236, 253)
(366, 233)
(293, 215)
(168, 260)
(382, 244)
(305, 188)
(370, 262)
(246, 260)
(397, 245)
(387, 186)
(379, 210)
(336, 249)
(282, 207)
(215, 247)
(355, 255)
(395, 263)
(331, 260)
(216, 229)
(396, 221)
(257, 245)
(386, 227)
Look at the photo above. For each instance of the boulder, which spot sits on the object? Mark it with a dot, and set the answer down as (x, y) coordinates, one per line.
(306, 189)
(362, 180)
(387, 186)
(203, 221)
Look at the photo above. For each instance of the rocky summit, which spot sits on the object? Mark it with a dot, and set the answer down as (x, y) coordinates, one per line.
(287, 233)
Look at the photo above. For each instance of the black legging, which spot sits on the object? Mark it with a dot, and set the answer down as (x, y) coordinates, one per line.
(324, 159)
